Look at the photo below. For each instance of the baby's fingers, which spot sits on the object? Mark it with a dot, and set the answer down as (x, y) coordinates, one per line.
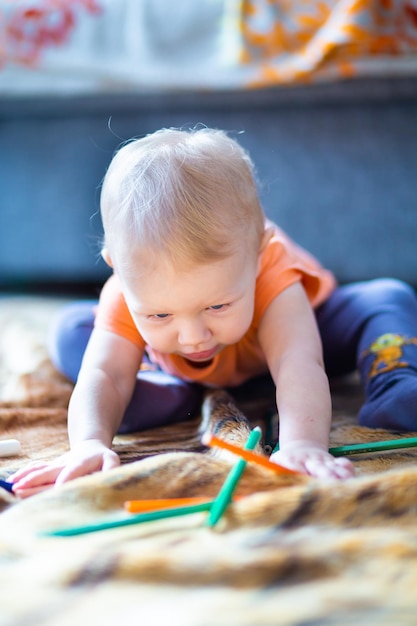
(41, 477)
(25, 471)
(329, 467)
(30, 491)
(344, 467)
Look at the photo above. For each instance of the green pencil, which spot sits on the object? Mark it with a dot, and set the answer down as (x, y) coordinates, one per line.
(222, 500)
(373, 446)
(225, 494)
(152, 516)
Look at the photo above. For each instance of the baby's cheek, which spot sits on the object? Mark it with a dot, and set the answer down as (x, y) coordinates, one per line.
(157, 339)
(236, 329)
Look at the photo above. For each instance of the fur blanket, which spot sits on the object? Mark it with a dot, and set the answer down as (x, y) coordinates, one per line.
(293, 551)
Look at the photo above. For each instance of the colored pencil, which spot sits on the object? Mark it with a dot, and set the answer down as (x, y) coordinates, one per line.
(152, 516)
(221, 502)
(372, 446)
(142, 506)
(6, 485)
(225, 494)
(213, 441)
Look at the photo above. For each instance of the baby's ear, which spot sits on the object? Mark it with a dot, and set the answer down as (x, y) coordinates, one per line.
(106, 256)
(267, 234)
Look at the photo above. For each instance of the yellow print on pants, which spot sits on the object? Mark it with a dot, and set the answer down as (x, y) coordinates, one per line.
(388, 352)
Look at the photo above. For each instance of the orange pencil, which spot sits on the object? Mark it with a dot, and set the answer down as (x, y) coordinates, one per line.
(211, 440)
(141, 506)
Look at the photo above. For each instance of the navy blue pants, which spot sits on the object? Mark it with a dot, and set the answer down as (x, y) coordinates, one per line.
(369, 326)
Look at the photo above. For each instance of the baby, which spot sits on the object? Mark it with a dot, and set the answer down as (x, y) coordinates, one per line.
(206, 291)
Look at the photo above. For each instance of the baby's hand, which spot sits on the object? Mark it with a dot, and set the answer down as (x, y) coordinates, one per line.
(308, 458)
(85, 458)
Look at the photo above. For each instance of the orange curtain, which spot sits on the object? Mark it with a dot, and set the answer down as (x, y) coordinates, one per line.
(298, 40)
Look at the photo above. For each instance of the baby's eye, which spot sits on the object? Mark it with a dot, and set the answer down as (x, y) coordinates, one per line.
(160, 316)
(217, 307)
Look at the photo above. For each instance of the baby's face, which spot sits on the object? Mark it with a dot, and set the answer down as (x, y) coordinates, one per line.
(195, 312)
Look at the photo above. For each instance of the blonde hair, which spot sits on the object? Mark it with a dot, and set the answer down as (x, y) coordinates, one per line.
(190, 195)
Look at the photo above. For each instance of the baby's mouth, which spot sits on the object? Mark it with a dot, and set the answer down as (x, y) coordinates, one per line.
(201, 357)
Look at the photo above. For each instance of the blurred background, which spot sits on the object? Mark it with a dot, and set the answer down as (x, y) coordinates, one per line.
(323, 94)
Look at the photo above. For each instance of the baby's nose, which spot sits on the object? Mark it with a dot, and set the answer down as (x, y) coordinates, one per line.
(193, 333)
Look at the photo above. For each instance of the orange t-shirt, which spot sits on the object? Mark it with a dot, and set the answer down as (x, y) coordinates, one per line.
(283, 263)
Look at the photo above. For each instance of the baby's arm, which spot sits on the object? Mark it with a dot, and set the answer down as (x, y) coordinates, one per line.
(290, 339)
(100, 397)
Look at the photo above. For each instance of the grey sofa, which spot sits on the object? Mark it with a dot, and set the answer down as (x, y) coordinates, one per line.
(337, 169)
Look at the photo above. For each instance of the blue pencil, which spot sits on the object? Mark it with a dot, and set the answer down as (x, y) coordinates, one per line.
(6, 485)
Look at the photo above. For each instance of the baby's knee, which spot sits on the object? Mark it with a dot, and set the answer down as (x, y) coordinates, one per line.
(69, 335)
(392, 290)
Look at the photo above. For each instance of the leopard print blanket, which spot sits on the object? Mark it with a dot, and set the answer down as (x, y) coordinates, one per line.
(293, 550)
